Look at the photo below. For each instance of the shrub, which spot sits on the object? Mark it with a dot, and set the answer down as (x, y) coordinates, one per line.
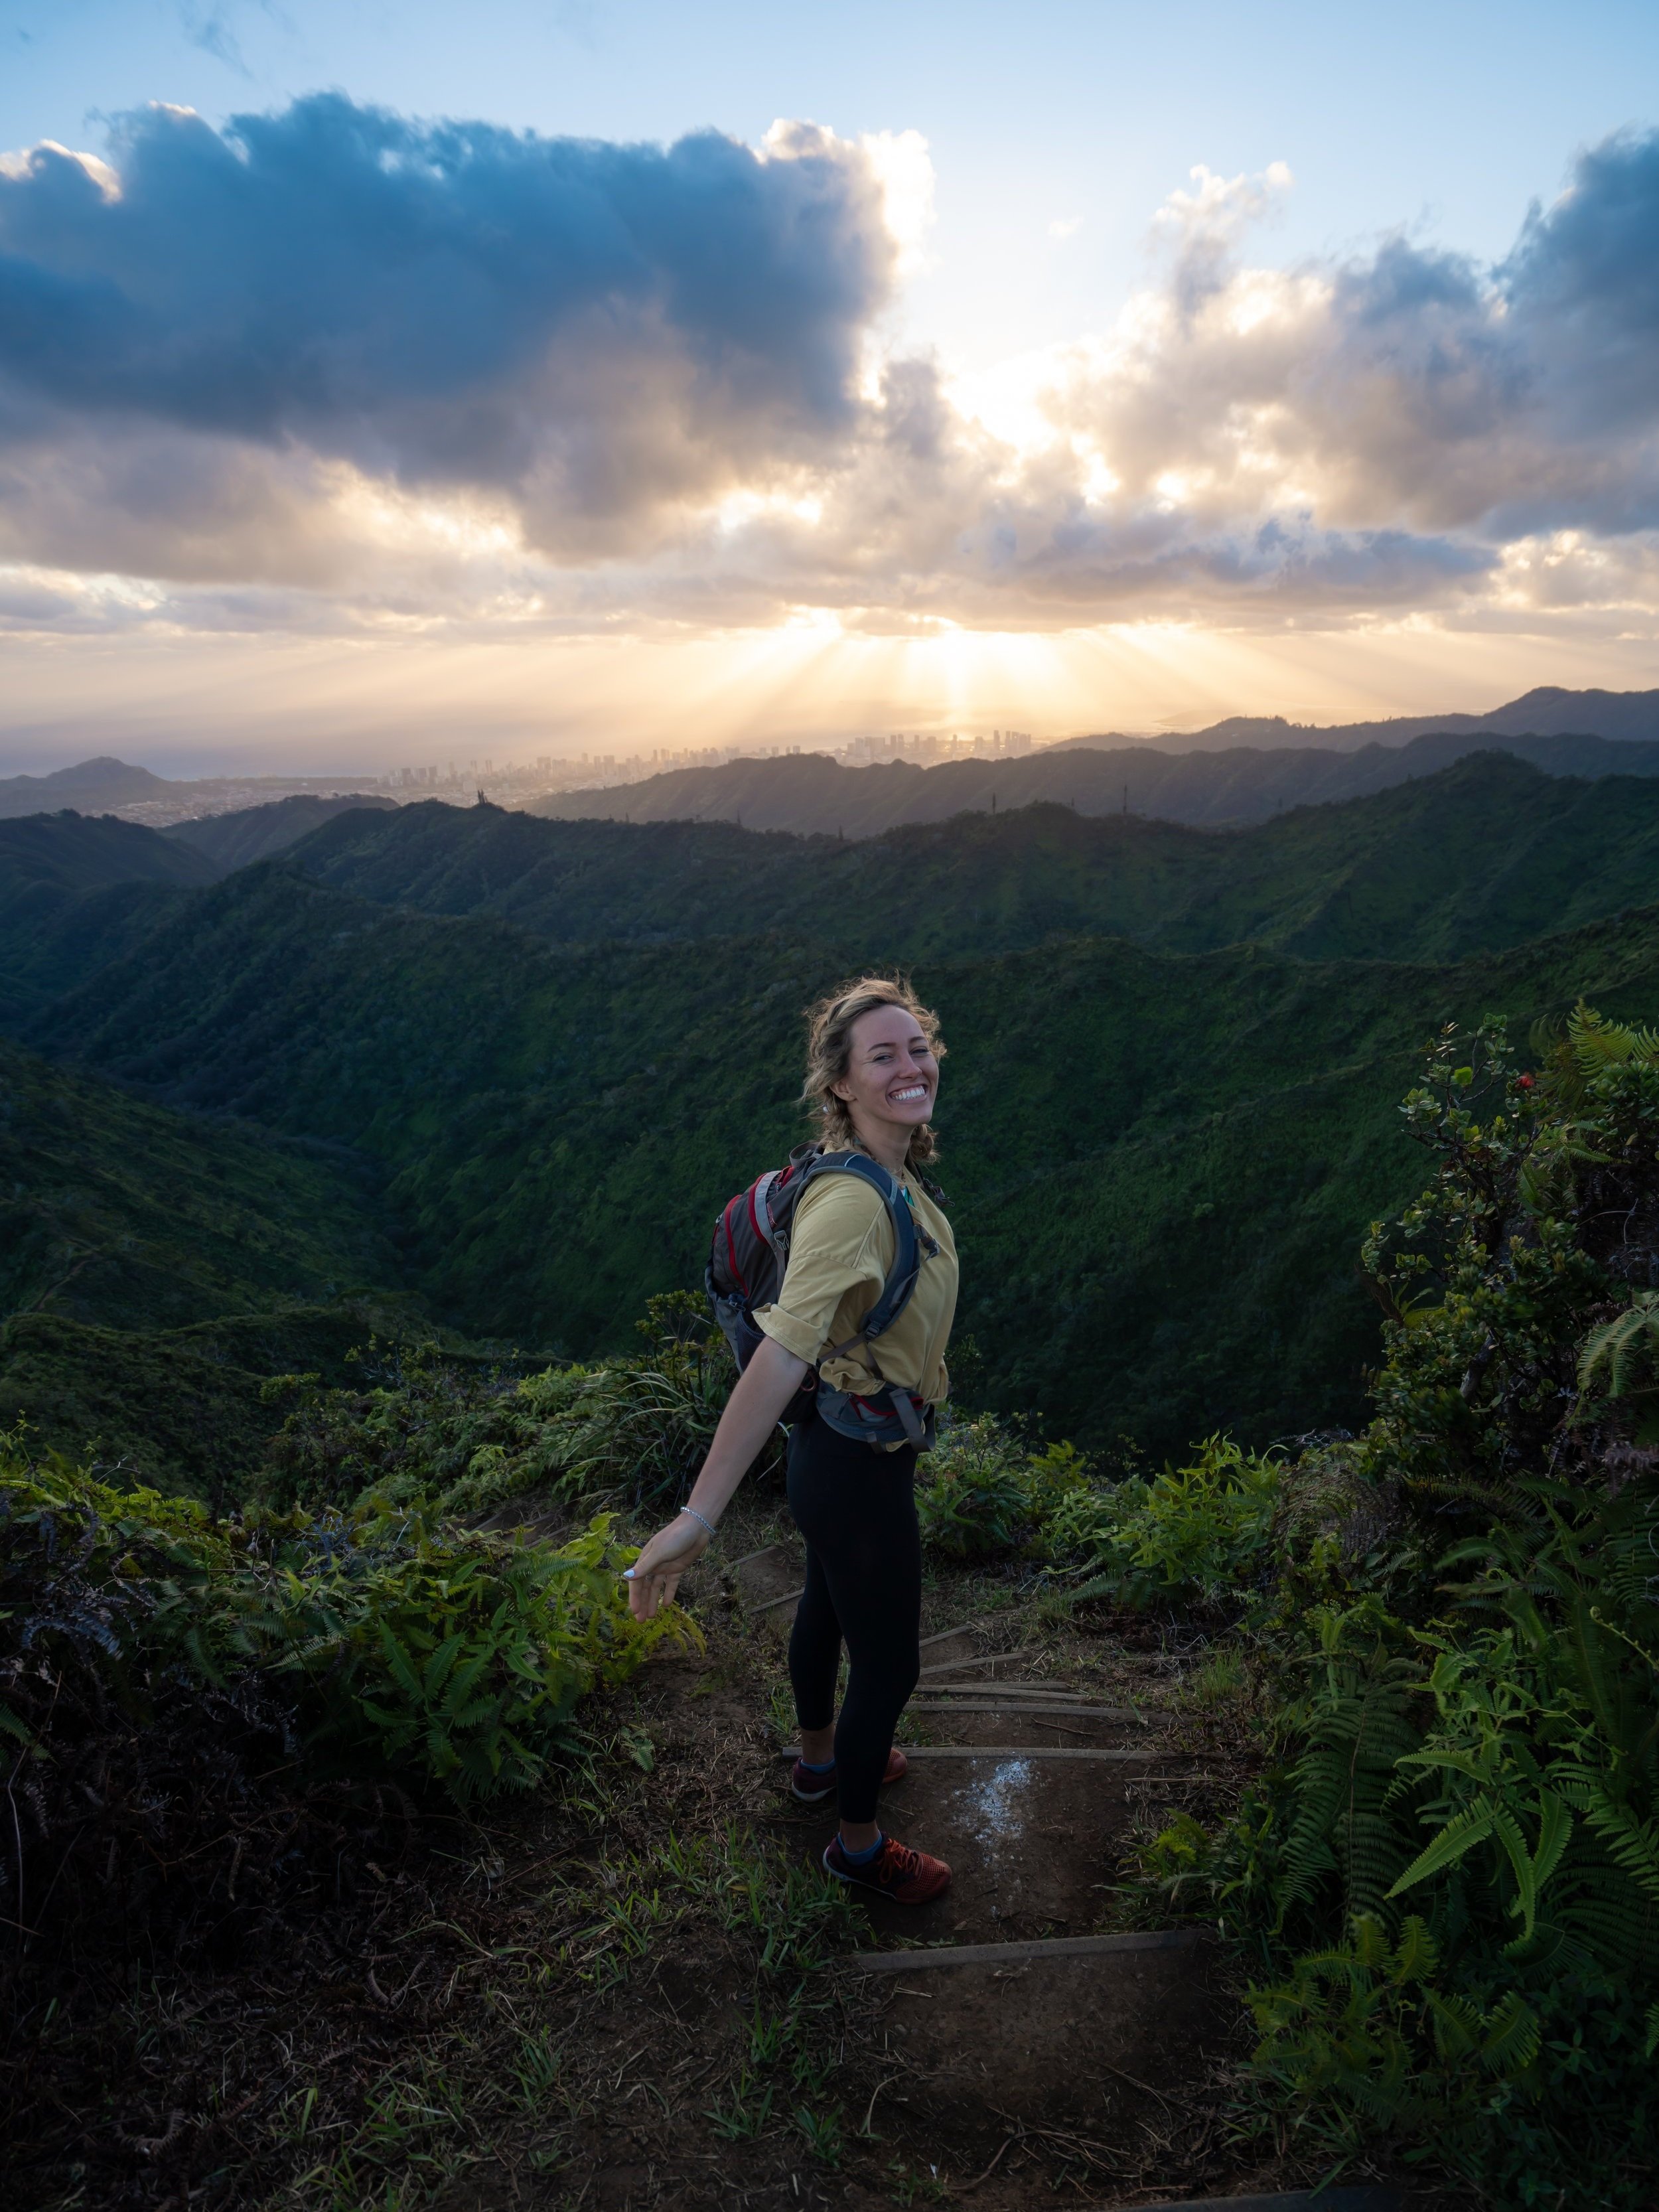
(988, 1495)
(438, 1655)
(176, 1689)
(638, 1429)
(1195, 1534)
(631, 1431)
(420, 1427)
(1451, 1881)
(1539, 1229)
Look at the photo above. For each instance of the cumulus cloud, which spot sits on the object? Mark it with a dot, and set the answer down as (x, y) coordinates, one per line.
(1411, 388)
(400, 373)
(603, 333)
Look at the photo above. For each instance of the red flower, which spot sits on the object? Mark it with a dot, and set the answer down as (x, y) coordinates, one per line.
(1523, 1082)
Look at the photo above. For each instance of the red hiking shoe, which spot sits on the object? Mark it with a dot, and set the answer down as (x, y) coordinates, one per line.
(812, 1789)
(907, 1877)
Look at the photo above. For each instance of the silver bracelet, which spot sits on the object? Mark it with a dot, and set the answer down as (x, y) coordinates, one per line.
(696, 1516)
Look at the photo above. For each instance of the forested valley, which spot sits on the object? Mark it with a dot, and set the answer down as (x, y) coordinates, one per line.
(355, 1187)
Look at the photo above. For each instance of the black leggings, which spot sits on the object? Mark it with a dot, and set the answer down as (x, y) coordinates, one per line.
(857, 1510)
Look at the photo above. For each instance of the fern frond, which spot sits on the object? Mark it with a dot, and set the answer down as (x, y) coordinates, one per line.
(1512, 2038)
(1597, 1043)
(1459, 1836)
(1624, 1352)
(1633, 1845)
(1417, 1955)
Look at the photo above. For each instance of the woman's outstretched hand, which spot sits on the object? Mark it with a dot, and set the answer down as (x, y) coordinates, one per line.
(657, 1570)
(760, 1395)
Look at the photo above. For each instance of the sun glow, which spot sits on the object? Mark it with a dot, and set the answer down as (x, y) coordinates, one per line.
(818, 678)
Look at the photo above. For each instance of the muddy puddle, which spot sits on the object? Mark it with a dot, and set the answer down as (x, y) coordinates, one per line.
(1031, 1843)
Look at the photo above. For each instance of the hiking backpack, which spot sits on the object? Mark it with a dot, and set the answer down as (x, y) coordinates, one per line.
(746, 1266)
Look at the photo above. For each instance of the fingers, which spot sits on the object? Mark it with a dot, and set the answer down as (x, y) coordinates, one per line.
(655, 1575)
(648, 1594)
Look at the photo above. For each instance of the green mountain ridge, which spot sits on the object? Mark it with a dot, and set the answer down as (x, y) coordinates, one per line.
(810, 793)
(1159, 1164)
(259, 833)
(156, 1266)
(53, 854)
(1487, 852)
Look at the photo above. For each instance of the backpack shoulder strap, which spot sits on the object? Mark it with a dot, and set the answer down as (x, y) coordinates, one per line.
(910, 1244)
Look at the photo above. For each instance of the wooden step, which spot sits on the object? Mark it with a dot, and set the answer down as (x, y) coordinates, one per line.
(1026, 1705)
(982, 1663)
(766, 1551)
(786, 1597)
(1037, 1949)
(1363, 2199)
(769, 1586)
(926, 1689)
(958, 1647)
(1051, 2033)
(1113, 1754)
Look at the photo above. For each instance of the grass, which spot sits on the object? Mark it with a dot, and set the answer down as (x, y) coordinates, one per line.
(622, 1957)
(626, 1983)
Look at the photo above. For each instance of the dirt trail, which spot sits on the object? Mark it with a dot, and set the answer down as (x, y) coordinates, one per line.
(1012, 2024)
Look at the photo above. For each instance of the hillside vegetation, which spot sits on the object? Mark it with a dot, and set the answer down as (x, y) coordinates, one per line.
(115, 1210)
(1161, 1163)
(157, 1268)
(53, 939)
(1487, 853)
(47, 855)
(256, 833)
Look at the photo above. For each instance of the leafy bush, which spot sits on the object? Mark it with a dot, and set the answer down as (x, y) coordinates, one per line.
(989, 1495)
(179, 1687)
(1452, 1881)
(639, 1428)
(1364, 2026)
(420, 1427)
(450, 1658)
(1196, 1534)
(626, 1429)
(1540, 1228)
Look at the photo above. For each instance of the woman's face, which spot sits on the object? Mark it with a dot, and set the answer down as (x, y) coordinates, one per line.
(892, 1076)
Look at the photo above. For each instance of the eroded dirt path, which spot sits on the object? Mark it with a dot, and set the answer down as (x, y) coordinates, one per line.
(1028, 2039)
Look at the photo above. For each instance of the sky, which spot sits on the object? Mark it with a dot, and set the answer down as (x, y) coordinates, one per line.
(381, 380)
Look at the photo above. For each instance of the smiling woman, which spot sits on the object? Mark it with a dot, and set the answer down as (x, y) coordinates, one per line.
(871, 1078)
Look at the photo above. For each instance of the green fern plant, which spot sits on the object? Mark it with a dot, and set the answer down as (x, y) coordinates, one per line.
(1621, 1358)
(1199, 1533)
(990, 1495)
(1361, 2034)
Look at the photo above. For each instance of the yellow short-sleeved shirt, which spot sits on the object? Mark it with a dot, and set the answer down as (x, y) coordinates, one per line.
(841, 1248)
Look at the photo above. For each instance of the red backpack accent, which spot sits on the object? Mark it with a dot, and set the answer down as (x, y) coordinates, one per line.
(747, 1261)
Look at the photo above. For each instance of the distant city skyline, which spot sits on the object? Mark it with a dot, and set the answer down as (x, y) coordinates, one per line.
(608, 376)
